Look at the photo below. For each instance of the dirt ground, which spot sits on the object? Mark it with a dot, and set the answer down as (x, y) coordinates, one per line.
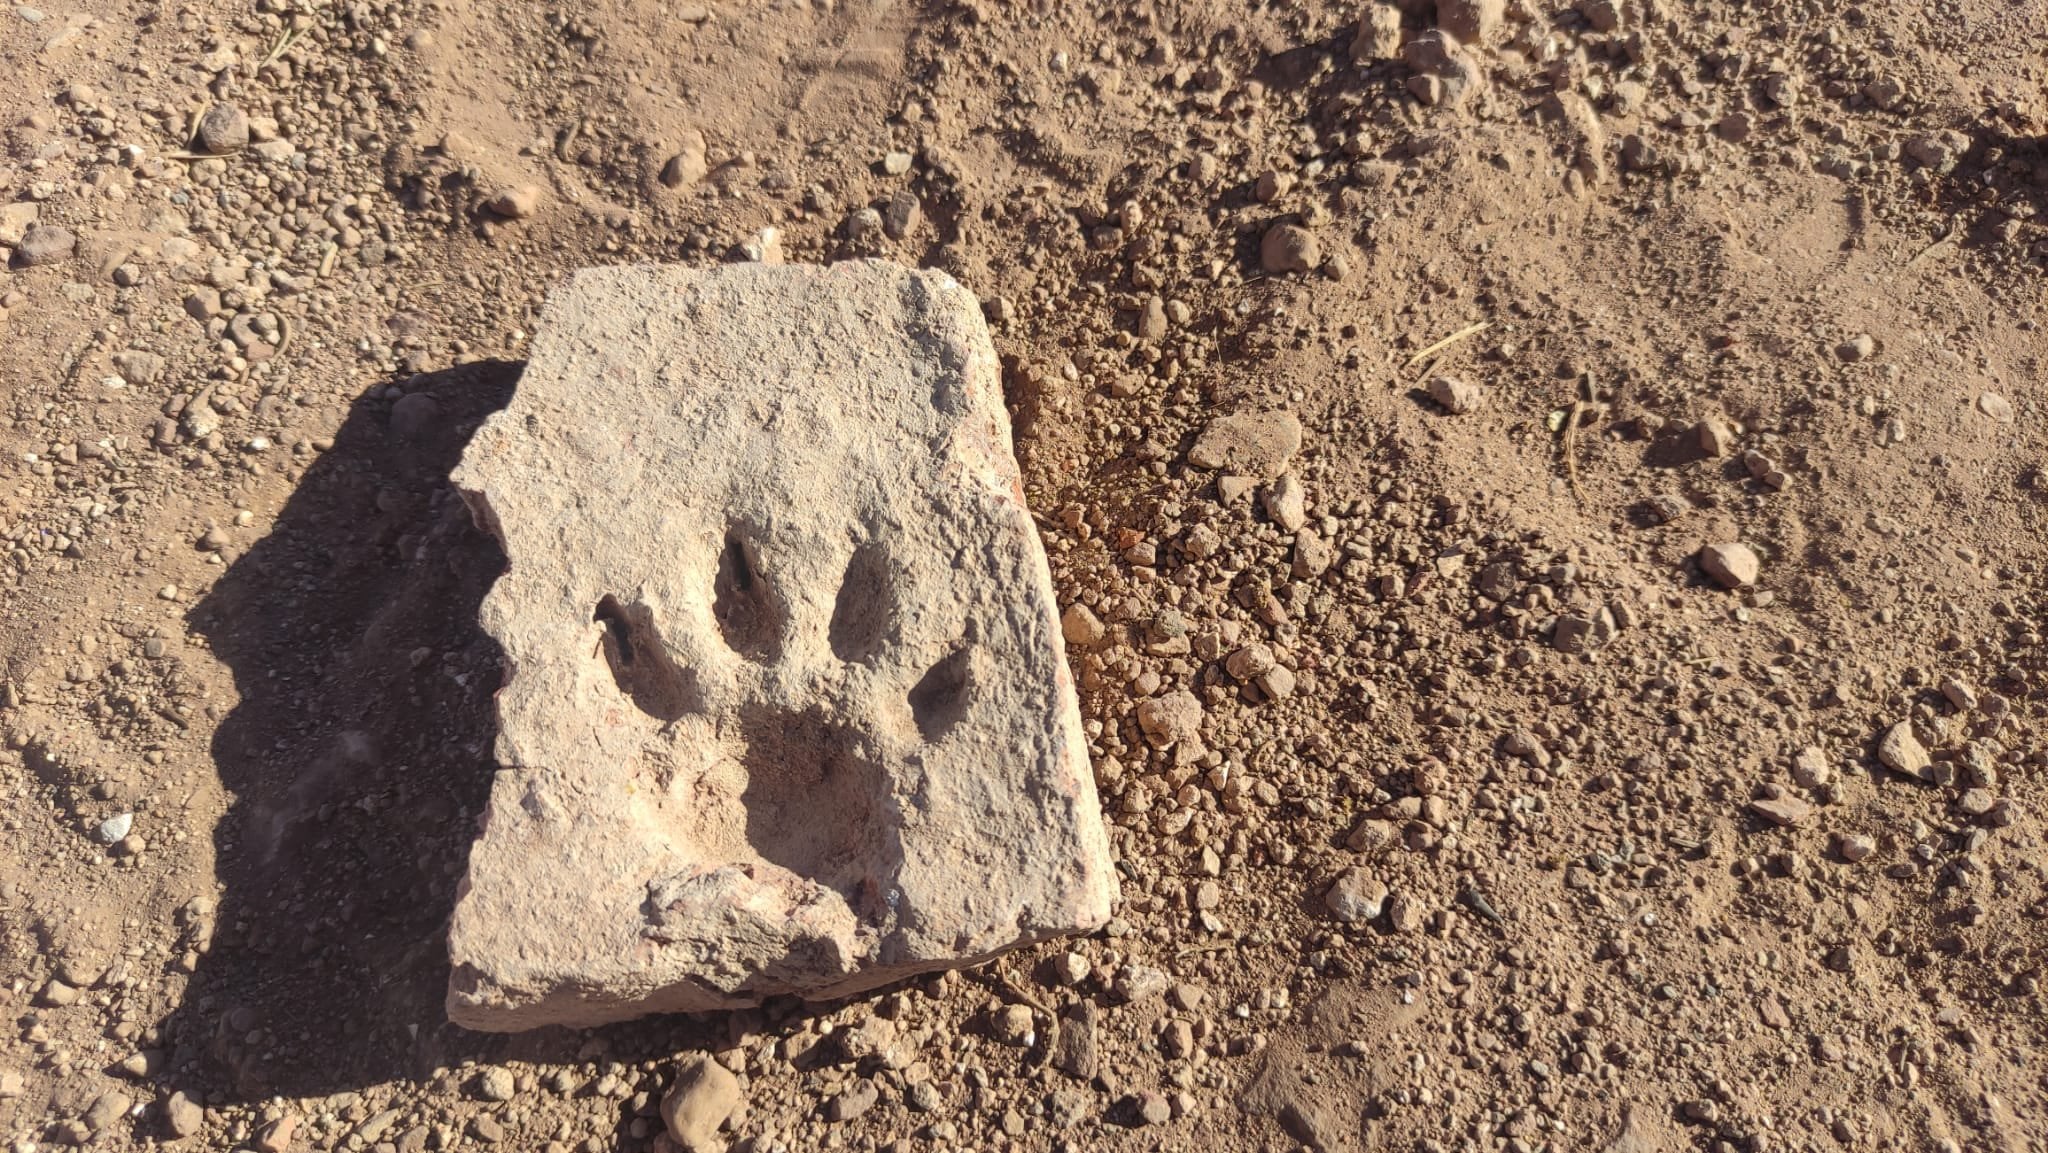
(1624, 858)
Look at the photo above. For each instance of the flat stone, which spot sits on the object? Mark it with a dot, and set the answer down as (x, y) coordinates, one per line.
(1074, 1050)
(44, 244)
(139, 367)
(1782, 810)
(852, 1101)
(105, 1111)
(16, 219)
(788, 709)
(1253, 444)
(1902, 752)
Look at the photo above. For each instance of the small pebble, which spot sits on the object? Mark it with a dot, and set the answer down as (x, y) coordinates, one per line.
(224, 129)
(114, 828)
(1356, 896)
(1081, 626)
(1733, 565)
(496, 1084)
(516, 202)
(1012, 1025)
(1455, 395)
(1289, 248)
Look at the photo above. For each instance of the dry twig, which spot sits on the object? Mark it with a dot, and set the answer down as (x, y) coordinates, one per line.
(1464, 333)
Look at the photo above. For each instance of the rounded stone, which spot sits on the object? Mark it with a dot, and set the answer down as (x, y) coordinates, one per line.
(224, 129)
(1289, 248)
(1733, 565)
(44, 244)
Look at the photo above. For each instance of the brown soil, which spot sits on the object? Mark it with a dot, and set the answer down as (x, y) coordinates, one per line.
(1767, 272)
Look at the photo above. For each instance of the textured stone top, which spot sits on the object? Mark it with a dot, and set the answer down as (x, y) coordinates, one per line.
(786, 708)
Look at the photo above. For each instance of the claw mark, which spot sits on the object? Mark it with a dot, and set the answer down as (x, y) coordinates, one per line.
(865, 608)
(745, 607)
(939, 700)
(640, 664)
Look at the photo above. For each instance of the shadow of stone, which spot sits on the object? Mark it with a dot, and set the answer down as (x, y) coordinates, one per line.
(1674, 447)
(358, 757)
(1999, 170)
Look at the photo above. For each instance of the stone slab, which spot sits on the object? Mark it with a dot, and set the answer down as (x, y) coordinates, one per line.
(787, 709)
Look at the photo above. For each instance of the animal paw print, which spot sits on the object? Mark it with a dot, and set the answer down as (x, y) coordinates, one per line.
(782, 748)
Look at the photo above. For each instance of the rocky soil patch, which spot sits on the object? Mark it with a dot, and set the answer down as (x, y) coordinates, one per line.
(1543, 504)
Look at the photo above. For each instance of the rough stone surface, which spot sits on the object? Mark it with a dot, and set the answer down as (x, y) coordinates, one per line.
(1810, 767)
(1457, 395)
(139, 367)
(688, 166)
(224, 129)
(183, 1115)
(44, 244)
(1356, 895)
(1171, 720)
(516, 202)
(704, 1095)
(1379, 34)
(1287, 502)
(1902, 752)
(787, 708)
(1289, 248)
(16, 219)
(1471, 21)
(1732, 565)
(1258, 444)
(1082, 627)
(1445, 72)
(1782, 810)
